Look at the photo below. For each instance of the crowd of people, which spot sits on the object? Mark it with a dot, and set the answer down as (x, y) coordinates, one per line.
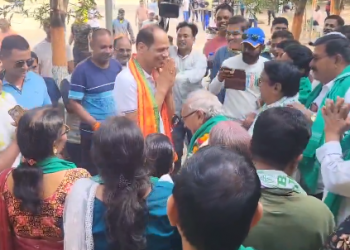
(244, 145)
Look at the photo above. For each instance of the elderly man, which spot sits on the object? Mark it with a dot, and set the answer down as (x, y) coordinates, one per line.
(122, 50)
(200, 113)
(231, 135)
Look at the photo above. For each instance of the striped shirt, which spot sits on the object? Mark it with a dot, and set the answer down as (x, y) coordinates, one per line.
(93, 87)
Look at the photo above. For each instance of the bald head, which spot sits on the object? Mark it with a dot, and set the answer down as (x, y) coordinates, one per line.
(231, 135)
(122, 49)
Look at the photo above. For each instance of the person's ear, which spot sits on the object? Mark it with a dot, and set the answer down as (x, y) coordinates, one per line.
(257, 216)
(172, 212)
(278, 87)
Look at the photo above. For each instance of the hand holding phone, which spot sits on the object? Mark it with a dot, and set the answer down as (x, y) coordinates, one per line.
(237, 80)
(225, 73)
(16, 113)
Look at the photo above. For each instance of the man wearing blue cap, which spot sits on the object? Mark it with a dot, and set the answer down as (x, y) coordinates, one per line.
(240, 76)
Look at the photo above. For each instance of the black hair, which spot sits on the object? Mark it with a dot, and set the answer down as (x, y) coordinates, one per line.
(117, 40)
(192, 26)
(283, 34)
(34, 56)
(301, 57)
(171, 39)
(37, 131)
(216, 195)
(159, 154)
(284, 73)
(280, 135)
(118, 148)
(236, 20)
(345, 30)
(284, 44)
(335, 45)
(280, 20)
(339, 19)
(146, 36)
(100, 32)
(13, 42)
(223, 6)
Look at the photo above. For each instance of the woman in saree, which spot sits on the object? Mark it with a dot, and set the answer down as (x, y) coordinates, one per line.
(33, 194)
(279, 86)
(120, 208)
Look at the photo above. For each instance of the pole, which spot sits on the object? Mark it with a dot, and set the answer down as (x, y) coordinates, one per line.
(109, 14)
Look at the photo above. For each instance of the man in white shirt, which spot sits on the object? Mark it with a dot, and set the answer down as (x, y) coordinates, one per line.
(331, 67)
(191, 66)
(44, 53)
(9, 151)
(141, 81)
(239, 103)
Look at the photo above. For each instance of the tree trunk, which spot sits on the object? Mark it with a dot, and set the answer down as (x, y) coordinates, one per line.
(336, 6)
(298, 18)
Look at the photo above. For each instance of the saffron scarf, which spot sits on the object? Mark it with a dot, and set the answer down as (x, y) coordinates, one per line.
(202, 134)
(304, 89)
(147, 108)
(309, 166)
(333, 201)
(53, 164)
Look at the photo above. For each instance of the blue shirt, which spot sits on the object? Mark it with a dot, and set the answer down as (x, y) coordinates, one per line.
(93, 86)
(33, 93)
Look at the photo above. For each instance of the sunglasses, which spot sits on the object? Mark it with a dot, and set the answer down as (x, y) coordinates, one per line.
(66, 129)
(252, 37)
(21, 63)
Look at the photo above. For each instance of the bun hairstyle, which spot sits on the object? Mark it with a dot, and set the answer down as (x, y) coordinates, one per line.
(118, 148)
(37, 131)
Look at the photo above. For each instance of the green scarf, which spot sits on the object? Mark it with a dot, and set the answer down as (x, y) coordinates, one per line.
(275, 179)
(245, 248)
(309, 166)
(304, 89)
(333, 201)
(54, 164)
(202, 134)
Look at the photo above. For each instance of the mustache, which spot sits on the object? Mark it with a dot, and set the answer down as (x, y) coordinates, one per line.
(181, 43)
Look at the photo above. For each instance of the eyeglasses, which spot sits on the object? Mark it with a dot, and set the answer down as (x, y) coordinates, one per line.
(233, 33)
(21, 63)
(188, 115)
(66, 129)
(252, 37)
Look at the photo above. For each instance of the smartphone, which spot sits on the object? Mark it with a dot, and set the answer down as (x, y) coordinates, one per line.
(16, 113)
(237, 81)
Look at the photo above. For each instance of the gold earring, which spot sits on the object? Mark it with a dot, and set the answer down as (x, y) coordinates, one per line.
(55, 151)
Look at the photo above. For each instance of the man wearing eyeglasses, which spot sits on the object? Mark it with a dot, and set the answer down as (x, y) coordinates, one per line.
(240, 76)
(235, 28)
(28, 88)
(122, 50)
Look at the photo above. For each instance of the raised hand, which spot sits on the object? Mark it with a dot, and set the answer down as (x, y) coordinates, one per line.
(336, 117)
(165, 78)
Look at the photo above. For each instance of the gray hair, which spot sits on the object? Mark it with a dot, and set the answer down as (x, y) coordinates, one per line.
(232, 135)
(203, 100)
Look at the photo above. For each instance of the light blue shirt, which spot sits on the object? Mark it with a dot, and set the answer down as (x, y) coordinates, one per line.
(33, 93)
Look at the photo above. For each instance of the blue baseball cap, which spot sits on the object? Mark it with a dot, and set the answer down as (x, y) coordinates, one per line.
(254, 36)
